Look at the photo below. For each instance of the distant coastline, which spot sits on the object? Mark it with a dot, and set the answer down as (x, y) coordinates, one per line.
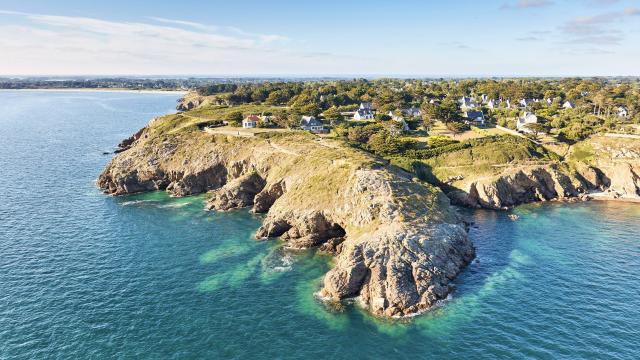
(145, 91)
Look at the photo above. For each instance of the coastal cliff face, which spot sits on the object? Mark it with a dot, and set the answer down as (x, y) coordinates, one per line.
(192, 100)
(522, 185)
(398, 243)
(600, 166)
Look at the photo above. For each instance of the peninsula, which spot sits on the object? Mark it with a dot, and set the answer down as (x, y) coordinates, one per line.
(372, 181)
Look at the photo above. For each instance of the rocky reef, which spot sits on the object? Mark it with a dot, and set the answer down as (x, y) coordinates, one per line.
(398, 243)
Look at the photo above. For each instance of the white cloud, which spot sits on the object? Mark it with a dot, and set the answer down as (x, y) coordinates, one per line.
(597, 29)
(51, 44)
(527, 4)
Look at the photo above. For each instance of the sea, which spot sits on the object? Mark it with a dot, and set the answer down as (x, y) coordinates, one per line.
(84, 275)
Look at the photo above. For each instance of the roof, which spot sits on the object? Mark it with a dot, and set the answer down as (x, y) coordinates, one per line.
(364, 112)
(412, 111)
(365, 105)
(310, 121)
(467, 101)
(254, 118)
(473, 114)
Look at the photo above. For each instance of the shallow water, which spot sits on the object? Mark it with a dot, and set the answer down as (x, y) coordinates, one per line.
(83, 275)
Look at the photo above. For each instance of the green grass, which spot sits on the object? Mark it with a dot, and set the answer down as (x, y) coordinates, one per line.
(583, 152)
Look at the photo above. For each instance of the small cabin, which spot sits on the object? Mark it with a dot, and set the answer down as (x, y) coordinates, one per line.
(250, 122)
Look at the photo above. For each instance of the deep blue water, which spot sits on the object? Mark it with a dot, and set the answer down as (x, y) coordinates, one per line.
(87, 276)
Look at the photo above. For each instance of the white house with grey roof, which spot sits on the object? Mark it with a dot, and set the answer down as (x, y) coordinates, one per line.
(406, 113)
(467, 103)
(310, 123)
(364, 112)
(475, 117)
(569, 105)
(524, 120)
(493, 104)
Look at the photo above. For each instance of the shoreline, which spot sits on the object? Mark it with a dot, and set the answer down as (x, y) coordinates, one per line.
(603, 196)
(149, 91)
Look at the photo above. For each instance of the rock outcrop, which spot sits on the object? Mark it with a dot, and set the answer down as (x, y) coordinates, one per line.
(522, 185)
(607, 167)
(237, 193)
(519, 186)
(398, 243)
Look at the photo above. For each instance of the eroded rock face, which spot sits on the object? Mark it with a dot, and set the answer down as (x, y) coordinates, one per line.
(237, 193)
(521, 186)
(623, 179)
(398, 242)
(265, 198)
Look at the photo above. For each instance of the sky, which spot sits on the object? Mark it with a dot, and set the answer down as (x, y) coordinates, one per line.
(331, 38)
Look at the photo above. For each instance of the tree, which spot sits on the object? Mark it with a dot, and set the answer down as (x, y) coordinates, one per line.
(536, 129)
(457, 127)
(333, 115)
(430, 113)
(449, 110)
(362, 134)
(234, 118)
(383, 117)
(280, 118)
(310, 109)
(383, 143)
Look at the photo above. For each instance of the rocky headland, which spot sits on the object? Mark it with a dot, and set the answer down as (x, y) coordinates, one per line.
(398, 243)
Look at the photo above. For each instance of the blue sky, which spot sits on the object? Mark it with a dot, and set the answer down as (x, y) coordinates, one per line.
(412, 38)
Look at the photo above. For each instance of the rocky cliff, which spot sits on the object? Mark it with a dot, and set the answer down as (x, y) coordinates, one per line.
(605, 165)
(398, 243)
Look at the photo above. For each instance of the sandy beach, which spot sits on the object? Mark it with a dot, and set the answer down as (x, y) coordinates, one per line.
(607, 196)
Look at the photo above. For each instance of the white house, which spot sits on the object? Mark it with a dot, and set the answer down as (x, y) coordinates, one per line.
(467, 103)
(524, 102)
(493, 104)
(569, 105)
(250, 122)
(527, 118)
(412, 112)
(364, 112)
(409, 113)
(474, 117)
(310, 123)
(485, 98)
(622, 112)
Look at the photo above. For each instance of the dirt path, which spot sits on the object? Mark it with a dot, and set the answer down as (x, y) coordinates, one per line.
(281, 149)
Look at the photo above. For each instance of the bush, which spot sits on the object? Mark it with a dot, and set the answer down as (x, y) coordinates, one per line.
(363, 133)
(382, 143)
(429, 153)
(438, 141)
(234, 118)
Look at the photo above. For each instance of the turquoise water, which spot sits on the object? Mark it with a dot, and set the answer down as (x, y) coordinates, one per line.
(87, 276)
